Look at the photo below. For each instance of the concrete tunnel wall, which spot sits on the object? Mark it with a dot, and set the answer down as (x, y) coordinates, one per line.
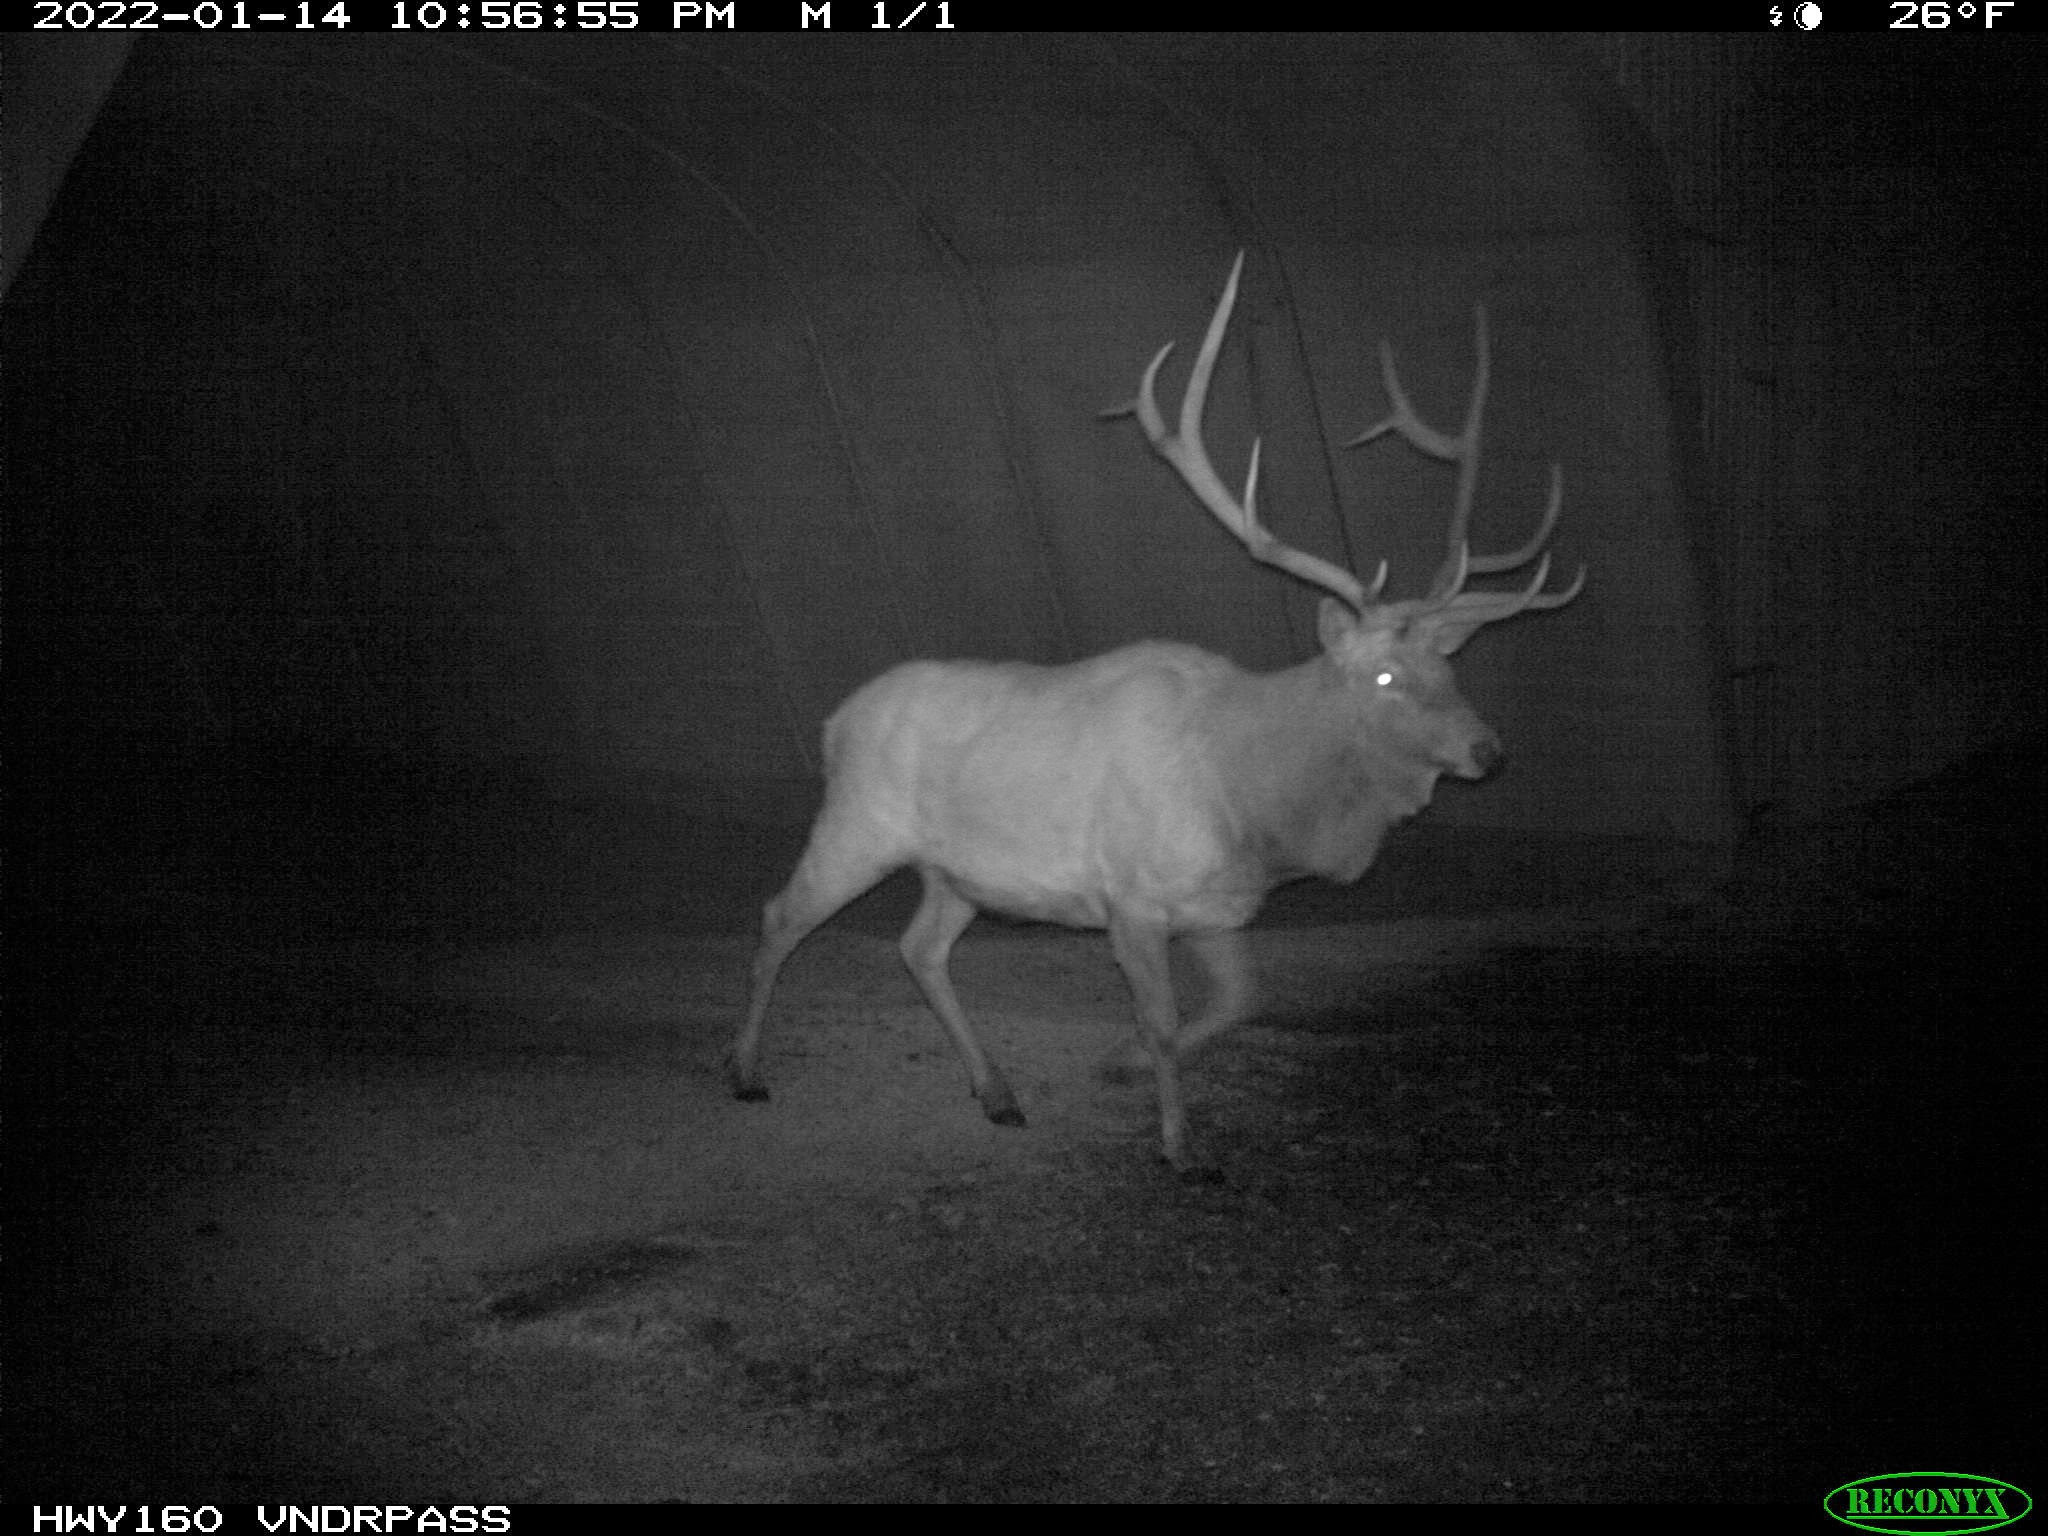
(599, 416)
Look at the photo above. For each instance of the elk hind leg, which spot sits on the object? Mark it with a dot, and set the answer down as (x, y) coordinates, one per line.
(926, 944)
(1140, 949)
(836, 867)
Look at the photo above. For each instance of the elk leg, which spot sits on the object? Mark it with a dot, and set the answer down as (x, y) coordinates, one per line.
(831, 873)
(1226, 957)
(926, 943)
(1140, 948)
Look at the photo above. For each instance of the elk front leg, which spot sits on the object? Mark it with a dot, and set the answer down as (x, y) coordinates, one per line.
(1140, 948)
(1225, 957)
(926, 944)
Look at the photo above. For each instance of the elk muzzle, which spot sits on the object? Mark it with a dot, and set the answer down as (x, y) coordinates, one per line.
(1482, 755)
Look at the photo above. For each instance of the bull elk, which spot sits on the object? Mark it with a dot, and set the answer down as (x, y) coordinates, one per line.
(1157, 791)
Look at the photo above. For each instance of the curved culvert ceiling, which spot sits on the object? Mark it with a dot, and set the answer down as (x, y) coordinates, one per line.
(604, 414)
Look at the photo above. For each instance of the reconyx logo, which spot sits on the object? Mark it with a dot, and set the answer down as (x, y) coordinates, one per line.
(1927, 1503)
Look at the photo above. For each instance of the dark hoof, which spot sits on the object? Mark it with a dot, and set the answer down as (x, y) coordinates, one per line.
(1191, 1165)
(999, 1104)
(1116, 1072)
(752, 1093)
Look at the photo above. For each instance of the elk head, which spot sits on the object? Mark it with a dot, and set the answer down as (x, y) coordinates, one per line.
(1388, 659)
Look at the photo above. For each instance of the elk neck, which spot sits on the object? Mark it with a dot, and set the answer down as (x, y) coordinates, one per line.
(1311, 782)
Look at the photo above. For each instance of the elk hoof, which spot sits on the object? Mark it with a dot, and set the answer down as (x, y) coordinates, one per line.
(744, 1081)
(1192, 1167)
(1004, 1114)
(1124, 1066)
(1000, 1105)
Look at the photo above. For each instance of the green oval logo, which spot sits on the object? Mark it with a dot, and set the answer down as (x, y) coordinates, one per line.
(1913, 1503)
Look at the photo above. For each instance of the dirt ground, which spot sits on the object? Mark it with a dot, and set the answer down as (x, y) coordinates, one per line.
(1635, 1200)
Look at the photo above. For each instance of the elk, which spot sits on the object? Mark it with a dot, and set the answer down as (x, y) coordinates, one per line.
(1157, 791)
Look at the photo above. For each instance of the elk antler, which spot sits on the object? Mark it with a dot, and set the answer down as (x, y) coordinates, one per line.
(1184, 451)
(1453, 612)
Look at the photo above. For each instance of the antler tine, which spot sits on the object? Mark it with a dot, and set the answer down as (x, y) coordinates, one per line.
(1476, 608)
(1461, 450)
(1446, 590)
(1482, 565)
(1469, 610)
(1296, 561)
(1451, 621)
(1184, 451)
(1558, 599)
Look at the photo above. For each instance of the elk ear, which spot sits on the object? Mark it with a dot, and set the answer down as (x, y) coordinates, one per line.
(1335, 623)
(1445, 639)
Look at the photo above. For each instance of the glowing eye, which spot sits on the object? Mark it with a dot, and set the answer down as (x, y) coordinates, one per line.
(1385, 679)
